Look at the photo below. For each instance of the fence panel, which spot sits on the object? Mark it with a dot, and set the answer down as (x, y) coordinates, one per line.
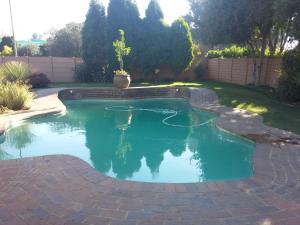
(237, 71)
(57, 69)
(240, 71)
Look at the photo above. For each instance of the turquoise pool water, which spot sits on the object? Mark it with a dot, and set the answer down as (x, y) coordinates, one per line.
(155, 140)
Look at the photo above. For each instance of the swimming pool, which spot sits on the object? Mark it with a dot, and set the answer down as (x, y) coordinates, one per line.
(153, 140)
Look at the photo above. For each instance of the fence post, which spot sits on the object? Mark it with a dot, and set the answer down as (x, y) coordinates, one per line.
(231, 70)
(267, 71)
(75, 65)
(218, 69)
(247, 71)
(52, 69)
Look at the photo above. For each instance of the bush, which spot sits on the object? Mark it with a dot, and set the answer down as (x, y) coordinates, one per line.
(14, 71)
(38, 80)
(29, 50)
(15, 96)
(81, 73)
(200, 71)
(182, 47)
(289, 83)
(233, 51)
(7, 51)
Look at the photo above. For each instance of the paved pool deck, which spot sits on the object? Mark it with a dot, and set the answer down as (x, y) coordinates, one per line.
(64, 190)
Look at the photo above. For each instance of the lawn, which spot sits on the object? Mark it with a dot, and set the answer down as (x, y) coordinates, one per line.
(275, 113)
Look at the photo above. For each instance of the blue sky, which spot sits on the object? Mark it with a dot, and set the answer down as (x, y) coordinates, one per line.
(40, 16)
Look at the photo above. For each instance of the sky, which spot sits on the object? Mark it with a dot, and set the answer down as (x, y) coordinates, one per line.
(41, 16)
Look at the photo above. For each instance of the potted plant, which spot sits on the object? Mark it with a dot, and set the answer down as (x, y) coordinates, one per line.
(121, 77)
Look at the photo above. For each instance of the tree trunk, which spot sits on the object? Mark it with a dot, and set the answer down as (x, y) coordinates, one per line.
(261, 61)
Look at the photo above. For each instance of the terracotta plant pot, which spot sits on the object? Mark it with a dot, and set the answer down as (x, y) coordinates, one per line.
(122, 81)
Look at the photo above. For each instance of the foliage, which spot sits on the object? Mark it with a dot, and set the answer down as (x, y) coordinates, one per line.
(121, 50)
(81, 73)
(289, 84)
(235, 51)
(256, 24)
(29, 50)
(94, 42)
(44, 50)
(200, 71)
(155, 34)
(7, 51)
(14, 71)
(15, 96)
(66, 42)
(182, 48)
(6, 41)
(38, 80)
(154, 12)
(123, 14)
(121, 73)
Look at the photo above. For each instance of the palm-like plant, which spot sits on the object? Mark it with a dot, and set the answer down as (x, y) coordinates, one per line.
(121, 51)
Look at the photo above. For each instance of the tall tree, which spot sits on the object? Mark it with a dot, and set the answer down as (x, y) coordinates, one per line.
(154, 12)
(94, 42)
(182, 48)
(66, 42)
(123, 14)
(154, 47)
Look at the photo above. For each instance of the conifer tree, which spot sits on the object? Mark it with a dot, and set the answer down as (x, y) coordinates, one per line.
(182, 48)
(94, 42)
(124, 15)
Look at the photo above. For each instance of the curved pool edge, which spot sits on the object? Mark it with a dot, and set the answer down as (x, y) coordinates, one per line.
(45, 103)
(235, 121)
(63, 189)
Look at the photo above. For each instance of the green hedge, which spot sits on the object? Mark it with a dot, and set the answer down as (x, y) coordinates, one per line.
(235, 51)
(289, 83)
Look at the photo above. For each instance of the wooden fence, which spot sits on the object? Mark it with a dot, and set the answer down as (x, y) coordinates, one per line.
(240, 71)
(237, 71)
(57, 69)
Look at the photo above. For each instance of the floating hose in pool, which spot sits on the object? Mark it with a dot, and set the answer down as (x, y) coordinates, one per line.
(171, 113)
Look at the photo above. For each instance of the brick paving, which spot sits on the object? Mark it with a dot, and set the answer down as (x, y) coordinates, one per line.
(64, 190)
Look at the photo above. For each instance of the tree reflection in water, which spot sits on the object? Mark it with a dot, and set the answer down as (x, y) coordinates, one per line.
(123, 143)
(20, 137)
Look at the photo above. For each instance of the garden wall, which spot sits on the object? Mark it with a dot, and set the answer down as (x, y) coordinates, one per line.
(57, 69)
(239, 71)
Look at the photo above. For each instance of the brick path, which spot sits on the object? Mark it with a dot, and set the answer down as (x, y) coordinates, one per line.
(64, 190)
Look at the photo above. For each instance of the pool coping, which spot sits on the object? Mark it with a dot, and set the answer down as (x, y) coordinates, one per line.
(233, 120)
(275, 184)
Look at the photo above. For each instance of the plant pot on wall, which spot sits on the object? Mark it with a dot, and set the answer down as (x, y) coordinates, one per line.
(122, 81)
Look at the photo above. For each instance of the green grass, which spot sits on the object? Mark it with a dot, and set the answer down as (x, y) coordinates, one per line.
(275, 113)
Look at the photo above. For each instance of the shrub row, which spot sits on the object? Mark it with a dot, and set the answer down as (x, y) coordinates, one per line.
(235, 51)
